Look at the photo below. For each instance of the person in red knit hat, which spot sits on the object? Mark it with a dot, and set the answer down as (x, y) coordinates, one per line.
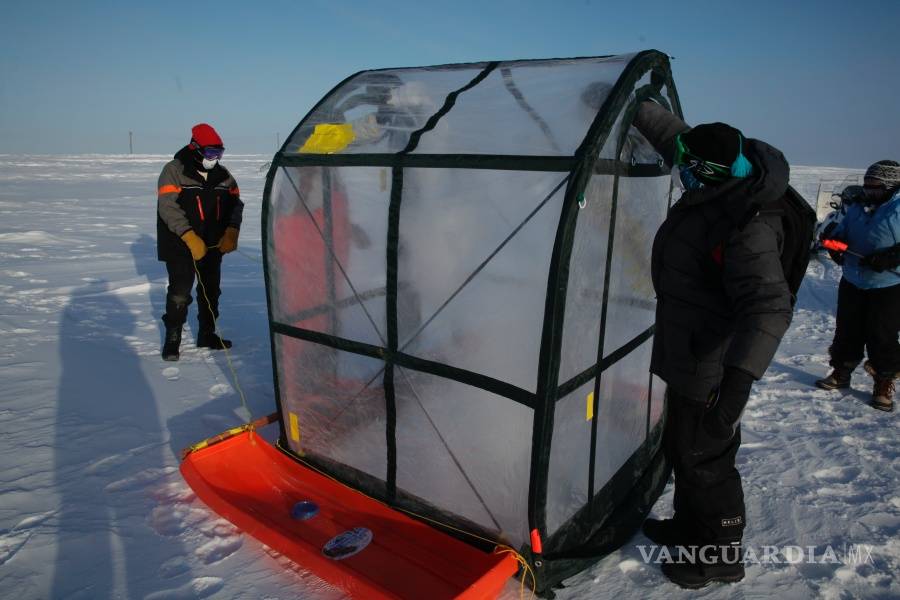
(198, 219)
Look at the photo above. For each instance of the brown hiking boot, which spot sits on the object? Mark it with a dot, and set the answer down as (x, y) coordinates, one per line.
(883, 392)
(838, 379)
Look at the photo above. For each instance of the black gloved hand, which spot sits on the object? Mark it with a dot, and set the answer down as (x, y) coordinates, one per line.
(836, 256)
(722, 418)
(880, 261)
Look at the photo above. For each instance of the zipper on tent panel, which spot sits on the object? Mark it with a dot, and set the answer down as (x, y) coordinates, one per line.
(548, 370)
(602, 334)
(628, 114)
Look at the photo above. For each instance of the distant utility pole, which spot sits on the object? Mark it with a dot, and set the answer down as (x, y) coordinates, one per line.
(277, 141)
(130, 144)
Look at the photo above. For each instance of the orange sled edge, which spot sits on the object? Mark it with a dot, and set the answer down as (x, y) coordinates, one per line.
(256, 487)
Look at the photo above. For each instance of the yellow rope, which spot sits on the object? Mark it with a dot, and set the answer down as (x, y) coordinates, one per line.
(205, 443)
(499, 548)
(229, 433)
(237, 383)
(526, 569)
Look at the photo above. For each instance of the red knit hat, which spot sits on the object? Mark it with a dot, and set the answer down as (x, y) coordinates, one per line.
(204, 135)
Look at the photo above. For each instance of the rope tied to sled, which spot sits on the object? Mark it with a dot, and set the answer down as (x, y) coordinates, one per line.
(234, 375)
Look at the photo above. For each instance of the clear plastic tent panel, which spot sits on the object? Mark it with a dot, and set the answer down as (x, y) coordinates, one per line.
(570, 455)
(465, 450)
(474, 257)
(333, 404)
(327, 241)
(657, 400)
(522, 107)
(631, 304)
(529, 107)
(622, 412)
(584, 297)
(380, 108)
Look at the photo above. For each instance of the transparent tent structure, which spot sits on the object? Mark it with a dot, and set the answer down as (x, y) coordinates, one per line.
(457, 264)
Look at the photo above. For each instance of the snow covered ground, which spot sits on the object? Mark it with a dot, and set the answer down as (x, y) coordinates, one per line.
(91, 501)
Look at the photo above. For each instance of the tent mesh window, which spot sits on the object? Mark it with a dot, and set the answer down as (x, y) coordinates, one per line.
(457, 269)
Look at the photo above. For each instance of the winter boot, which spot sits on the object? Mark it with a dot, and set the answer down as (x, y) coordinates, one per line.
(667, 532)
(208, 339)
(703, 565)
(883, 392)
(839, 379)
(173, 341)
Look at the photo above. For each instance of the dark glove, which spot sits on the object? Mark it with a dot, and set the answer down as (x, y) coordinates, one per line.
(229, 241)
(836, 256)
(721, 420)
(889, 258)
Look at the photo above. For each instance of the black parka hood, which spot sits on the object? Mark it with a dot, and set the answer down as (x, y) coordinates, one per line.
(742, 198)
(188, 157)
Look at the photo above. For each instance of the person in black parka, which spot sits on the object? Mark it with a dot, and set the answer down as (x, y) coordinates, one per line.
(198, 219)
(723, 305)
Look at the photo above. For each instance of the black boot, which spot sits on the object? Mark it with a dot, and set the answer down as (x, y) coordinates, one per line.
(668, 532)
(699, 566)
(173, 341)
(838, 379)
(883, 391)
(208, 339)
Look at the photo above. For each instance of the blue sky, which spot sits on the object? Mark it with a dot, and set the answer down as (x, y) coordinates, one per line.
(819, 80)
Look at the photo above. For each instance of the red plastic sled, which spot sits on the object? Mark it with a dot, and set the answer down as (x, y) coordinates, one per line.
(255, 486)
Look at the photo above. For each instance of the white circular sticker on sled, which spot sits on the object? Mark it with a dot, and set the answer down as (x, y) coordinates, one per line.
(347, 544)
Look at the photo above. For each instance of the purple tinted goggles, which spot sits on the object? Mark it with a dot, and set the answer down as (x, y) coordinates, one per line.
(212, 152)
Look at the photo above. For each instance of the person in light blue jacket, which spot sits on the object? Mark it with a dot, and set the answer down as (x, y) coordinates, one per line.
(868, 313)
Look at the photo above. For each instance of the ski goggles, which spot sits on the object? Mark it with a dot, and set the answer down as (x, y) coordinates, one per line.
(686, 160)
(212, 152)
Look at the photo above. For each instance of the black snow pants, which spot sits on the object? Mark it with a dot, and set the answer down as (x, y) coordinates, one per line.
(708, 492)
(181, 281)
(870, 320)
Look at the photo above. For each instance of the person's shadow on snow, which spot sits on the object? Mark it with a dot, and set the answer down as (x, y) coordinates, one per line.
(109, 457)
(143, 251)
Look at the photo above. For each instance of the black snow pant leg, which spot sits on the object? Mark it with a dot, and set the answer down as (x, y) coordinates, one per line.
(850, 331)
(881, 327)
(867, 320)
(708, 491)
(178, 294)
(210, 269)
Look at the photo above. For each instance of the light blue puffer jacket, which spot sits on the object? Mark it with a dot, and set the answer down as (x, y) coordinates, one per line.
(866, 233)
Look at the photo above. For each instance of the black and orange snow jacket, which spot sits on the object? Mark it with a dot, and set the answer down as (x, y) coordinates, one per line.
(188, 201)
